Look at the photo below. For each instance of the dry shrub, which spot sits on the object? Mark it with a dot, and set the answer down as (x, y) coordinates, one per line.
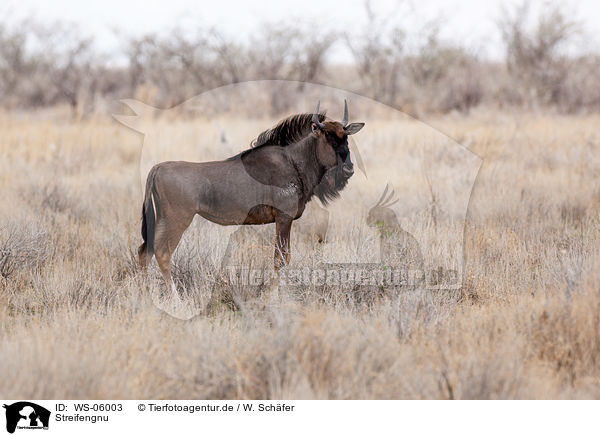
(23, 247)
(565, 334)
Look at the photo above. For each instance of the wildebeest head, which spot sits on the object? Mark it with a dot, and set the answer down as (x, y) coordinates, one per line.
(333, 153)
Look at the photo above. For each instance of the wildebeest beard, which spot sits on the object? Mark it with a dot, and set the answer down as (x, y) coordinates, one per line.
(334, 180)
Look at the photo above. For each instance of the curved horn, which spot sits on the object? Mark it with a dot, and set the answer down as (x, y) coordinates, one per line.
(385, 202)
(315, 117)
(392, 203)
(382, 195)
(345, 119)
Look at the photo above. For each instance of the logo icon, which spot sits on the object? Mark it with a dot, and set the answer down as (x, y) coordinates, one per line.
(26, 415)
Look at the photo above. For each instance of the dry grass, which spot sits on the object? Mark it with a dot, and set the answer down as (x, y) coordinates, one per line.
(77, 320)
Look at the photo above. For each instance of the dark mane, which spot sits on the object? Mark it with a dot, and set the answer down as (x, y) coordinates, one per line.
(287, 131)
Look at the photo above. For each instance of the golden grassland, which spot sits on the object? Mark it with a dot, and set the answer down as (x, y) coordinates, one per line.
(78, 320)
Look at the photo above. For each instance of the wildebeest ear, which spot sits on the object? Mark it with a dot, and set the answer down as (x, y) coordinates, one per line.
(353, 128)
(315, 127)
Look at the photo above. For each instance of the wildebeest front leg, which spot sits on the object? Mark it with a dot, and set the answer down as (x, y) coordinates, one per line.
(283, 226)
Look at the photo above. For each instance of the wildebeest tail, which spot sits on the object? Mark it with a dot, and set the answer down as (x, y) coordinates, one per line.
(148, 212)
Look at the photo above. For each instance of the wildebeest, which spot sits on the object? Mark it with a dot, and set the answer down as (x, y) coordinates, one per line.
(303, 155)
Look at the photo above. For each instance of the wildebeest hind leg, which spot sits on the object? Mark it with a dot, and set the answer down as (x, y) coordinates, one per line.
(143, 256)
(167, 237)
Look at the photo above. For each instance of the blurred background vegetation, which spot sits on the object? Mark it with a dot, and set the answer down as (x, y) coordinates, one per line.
(417, 71)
